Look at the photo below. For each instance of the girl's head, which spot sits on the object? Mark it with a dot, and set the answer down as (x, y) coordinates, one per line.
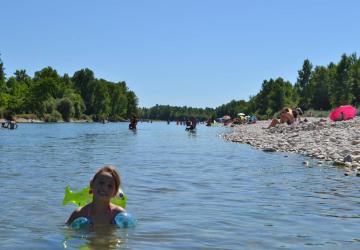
(106, 182)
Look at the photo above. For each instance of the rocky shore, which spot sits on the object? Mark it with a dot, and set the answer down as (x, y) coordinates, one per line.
(334, 142)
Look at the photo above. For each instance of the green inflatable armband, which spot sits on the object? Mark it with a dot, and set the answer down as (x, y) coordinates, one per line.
(83, 197)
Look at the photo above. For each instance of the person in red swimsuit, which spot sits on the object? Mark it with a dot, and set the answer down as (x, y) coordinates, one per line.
(104, 186)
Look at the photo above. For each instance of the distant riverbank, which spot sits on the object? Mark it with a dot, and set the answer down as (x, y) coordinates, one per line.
(25, 120)
(335, 142)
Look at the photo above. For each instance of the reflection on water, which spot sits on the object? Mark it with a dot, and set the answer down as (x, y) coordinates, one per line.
(93, 239)
(187, 191)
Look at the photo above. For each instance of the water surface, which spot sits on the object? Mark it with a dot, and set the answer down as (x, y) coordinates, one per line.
(187, 190)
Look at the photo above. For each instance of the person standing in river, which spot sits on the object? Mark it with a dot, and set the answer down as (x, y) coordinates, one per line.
(133, 122)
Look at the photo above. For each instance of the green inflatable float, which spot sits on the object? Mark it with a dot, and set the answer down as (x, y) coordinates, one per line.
(83, 197)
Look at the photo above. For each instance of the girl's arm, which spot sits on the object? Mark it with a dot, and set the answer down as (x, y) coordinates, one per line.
(116, 209)
(73, 216)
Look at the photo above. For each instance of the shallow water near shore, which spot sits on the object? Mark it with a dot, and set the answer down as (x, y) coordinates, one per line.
(187, 190)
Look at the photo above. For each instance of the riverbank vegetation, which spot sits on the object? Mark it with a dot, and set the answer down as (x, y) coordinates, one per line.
(52, 97)
(317, 90)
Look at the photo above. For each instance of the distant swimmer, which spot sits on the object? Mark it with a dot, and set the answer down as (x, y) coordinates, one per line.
(191, 125)
(133, 122)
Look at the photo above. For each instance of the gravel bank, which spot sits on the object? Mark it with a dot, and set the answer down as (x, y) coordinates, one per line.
(335, 142)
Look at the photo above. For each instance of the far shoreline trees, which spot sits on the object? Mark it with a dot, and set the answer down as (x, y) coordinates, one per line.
(321, 88)
(52, 97)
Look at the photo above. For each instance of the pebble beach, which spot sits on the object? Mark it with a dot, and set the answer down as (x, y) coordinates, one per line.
(337, 143)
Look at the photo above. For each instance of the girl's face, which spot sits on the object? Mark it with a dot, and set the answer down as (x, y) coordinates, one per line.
(103, 186)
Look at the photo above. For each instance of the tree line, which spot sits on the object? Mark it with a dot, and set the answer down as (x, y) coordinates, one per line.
(52, 97)
(316, 88)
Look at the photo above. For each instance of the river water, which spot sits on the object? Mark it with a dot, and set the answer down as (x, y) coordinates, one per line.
(187, 190)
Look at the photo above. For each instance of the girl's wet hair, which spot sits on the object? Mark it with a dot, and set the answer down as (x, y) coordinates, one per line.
(111, 170)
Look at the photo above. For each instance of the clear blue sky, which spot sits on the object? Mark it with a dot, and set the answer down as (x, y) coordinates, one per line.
(200, 53)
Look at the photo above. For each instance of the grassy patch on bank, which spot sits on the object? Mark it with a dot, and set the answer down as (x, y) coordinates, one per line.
(316, 113)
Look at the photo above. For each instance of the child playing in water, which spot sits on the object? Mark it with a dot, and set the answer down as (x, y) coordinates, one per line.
(104, 186)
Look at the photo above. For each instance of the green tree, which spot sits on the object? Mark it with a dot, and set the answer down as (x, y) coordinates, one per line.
(21, 76)
(46, 73)
(49, 105)
(319, 89)
(132, 103)
(18, 92)
(2, 76)
(84, 82)
(66, 109)
(341, 89)
(40, 91)
(302, 84)
(76, 100)
(118, 103)
(101, 104)
(355, 79)
(273, 96)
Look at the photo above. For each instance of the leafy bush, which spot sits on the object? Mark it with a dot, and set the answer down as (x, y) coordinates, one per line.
(85, 117)
(49, 105)
(316, 113)
(27, 116)
(9, 115)
(262, 117)
(53, 117)
(66, 109)
(116, 118)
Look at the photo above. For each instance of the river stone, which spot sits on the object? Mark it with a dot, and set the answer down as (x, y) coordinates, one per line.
(356, 165)
(345, 151)
(348, 158)
(269, 150)
(348, 164)
(339, 163)
(355, 142)
(333, 139)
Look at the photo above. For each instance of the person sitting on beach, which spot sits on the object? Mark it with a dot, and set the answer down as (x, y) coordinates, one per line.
(341, 117)
(104, 186)
(285, 116)
(296, 114)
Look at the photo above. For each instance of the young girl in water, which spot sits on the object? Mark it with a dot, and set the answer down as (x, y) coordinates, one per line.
(104, 186)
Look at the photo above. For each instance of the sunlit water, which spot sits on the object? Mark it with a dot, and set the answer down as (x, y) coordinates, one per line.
(187, 191)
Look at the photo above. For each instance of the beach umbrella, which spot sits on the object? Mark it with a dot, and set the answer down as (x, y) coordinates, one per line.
(348, 111)
(226, 117)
